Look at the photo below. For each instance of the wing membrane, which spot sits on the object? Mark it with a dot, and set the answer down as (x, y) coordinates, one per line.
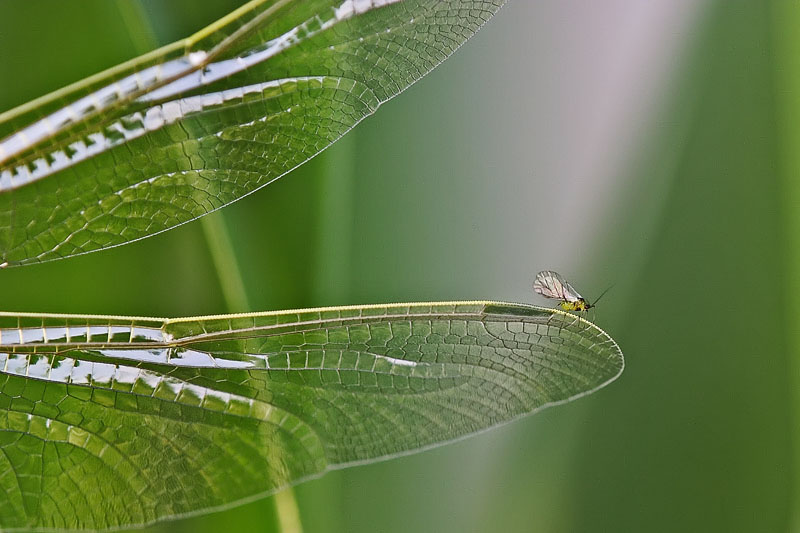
(191, 127)
(164, 417)
(551, 284)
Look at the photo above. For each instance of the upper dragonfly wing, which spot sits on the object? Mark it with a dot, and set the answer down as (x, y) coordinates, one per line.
(551, 284)
(190, 127)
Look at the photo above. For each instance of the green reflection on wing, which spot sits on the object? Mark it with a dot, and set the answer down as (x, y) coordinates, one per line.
(116, 421)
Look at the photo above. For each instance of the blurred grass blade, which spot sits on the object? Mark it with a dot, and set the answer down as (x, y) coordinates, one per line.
(188, 128)
(786, 16)
(115, 421)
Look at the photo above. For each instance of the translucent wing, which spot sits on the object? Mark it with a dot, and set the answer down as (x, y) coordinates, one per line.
(552, 285)
(187, 129)
(111, 422)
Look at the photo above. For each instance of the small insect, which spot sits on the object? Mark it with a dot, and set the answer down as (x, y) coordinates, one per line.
(552, 285)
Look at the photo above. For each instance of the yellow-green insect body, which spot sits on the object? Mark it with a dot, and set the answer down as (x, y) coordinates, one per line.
(579, 305)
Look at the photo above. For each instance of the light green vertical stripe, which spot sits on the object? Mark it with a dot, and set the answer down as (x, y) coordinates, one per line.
(218, 239)
(333, 285)
(786, 32)
(215, 231)
(335, 232)
(288, 512)
(139, 29)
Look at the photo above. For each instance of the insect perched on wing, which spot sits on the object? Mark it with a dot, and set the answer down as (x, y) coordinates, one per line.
(552, 285)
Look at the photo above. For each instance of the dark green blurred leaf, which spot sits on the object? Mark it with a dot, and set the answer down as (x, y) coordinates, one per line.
(118, 421)
(696, 437)
(186, 129)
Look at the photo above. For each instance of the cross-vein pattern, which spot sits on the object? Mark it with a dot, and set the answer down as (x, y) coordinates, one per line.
(114, 421)
(187, 129)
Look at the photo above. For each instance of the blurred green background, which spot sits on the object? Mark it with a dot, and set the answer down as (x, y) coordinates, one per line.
(642, 144)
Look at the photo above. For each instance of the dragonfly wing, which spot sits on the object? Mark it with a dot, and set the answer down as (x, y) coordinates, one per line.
(551, 284)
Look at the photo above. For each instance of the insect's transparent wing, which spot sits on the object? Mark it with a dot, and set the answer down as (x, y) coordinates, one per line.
(191, 127)
(110, 422)
(551, 284)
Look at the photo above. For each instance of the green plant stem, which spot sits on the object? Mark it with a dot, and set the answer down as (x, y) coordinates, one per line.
(334, 243)
(786, 21)
(288, 512)
(222, 253)
(217, 237)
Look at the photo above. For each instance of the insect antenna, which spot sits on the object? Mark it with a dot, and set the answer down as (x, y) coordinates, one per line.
(601, 295)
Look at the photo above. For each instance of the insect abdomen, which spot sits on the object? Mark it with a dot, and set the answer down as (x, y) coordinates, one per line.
(579, 305)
